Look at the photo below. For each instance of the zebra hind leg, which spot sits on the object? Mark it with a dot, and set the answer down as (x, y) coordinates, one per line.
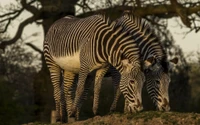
(63, 104)
(69, 92)
(55, 72)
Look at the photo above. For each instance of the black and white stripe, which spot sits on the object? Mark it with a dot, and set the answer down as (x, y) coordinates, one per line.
(80, 46)
(157, 73)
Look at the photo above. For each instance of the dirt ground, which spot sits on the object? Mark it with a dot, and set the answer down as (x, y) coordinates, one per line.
(143, 118)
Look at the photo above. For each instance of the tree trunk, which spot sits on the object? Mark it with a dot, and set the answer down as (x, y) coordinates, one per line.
(42, 85)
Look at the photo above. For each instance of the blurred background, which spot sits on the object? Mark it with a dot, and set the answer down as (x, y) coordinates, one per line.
(26, 93)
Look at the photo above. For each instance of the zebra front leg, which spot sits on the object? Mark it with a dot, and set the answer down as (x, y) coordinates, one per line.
(79, 91)
(97, 87)
(69, 91)
(126, 106)
(117, 92)
(116, 98)
(90, 79)
(55, 72)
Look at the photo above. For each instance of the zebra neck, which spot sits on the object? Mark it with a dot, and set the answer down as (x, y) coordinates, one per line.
(119, 68)
(157, 54)
(152, 50)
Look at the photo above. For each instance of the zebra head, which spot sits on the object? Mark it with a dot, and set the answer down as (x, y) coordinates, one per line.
(131, 83)
(157, 81)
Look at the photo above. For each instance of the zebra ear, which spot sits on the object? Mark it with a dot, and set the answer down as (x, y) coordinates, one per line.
(149, 62)
(172, 63)
(127, 64)
(126, 13)
(174, 60)
(113, 24)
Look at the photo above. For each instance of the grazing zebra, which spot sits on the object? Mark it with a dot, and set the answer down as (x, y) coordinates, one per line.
(80, 46)
(157, 74)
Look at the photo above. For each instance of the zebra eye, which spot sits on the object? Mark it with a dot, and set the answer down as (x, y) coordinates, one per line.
(146, 70)
(169, 80)
(157, 81)
(132, 81)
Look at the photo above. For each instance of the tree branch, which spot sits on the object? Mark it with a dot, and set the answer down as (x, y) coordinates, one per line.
(138, 3)
(181, 12)
(163, 11)
(8, 19)
(34, 48)
(19, 32)
(28, 6)
(36, 15)
(8, 14)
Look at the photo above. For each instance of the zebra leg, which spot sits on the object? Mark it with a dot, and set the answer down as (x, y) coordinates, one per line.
(63, 103)
(88, 82)
(55, 72)
(116, 98)
(97, 87)
(80, 90)
(115, 79)
(125, 106)
(68, 90)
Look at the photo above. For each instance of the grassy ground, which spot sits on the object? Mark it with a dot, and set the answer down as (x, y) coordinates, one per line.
(146, 117)
(143, 118)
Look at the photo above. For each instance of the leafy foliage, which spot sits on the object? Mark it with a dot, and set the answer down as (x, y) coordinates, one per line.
(194, 82)
(16, 85)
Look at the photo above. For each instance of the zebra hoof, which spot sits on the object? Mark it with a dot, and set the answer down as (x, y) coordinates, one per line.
(71, 119)
(55, 117)
(112, 110)
(72, 113)
(95, 112)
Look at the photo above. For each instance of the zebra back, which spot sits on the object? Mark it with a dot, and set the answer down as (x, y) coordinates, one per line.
(73, 30)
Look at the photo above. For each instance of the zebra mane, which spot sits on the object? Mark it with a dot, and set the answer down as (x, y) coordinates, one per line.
(135, 25)
(104, 18)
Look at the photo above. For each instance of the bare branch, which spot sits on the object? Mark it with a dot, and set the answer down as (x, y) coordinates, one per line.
(195, 27)
(28, 6)
(8, 14)
(84, 6)
(36, 15)
(21, 27)
(109, 2)
(6, 27)
(34, 48)
(164, 11)
(155, 23)
(182, 12)
(8, 19)
(138, 3)
(124, 2)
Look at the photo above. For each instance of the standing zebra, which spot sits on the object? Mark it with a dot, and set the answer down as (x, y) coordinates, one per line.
(157, 74)
(80, 46)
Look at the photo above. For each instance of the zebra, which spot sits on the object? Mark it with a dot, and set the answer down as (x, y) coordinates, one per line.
(80, 46)
(156, 74)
